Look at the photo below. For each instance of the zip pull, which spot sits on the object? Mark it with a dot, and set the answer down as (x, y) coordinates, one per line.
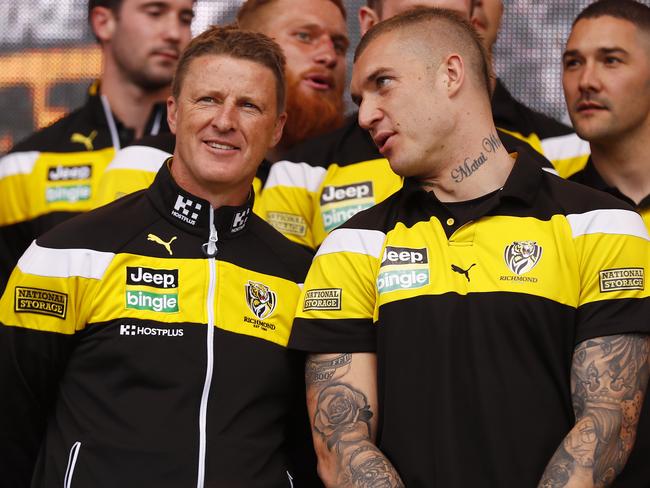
(210, 247)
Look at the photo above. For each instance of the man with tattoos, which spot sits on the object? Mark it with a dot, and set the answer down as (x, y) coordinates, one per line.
(471, 325)
(607, 58)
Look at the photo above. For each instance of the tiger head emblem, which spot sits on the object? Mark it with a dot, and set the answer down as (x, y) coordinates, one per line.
(522, 256)
(260, 299)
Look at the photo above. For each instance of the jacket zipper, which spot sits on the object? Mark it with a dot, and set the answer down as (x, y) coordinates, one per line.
(210, 249)
(72, 461)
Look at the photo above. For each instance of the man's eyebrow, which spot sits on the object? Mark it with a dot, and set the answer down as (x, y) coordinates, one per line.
(601, 50)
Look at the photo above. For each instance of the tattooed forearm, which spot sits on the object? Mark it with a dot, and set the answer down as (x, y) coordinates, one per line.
(342, 422)
(470, 166)
(370, 469)
(609, 377)
(325, 370)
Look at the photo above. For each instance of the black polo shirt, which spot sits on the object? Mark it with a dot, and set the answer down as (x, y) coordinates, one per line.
(474, 316)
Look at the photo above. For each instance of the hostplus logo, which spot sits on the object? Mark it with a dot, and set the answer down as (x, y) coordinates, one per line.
(186, 209)
(340, 203)
(403, 268)
(139, 330)
(164, 301)
(239, 221)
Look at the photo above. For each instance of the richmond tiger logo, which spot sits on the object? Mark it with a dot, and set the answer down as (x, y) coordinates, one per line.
(522, 256)
(261, 299)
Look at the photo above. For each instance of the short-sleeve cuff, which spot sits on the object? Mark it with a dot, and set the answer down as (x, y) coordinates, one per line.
(333, 336)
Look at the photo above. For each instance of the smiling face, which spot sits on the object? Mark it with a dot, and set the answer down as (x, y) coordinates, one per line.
(144, 38)
(225, 120)
(606, 79)
(402, 103)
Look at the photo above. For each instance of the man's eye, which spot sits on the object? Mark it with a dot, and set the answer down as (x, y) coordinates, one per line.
(186, 17)
(250, 106)
(571, 63)
(382, 81)
(611, 60)
(303, 36)
(341, 47)
(207, 99)
(154, 11)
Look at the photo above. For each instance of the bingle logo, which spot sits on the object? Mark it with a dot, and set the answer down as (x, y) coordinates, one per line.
(186, 210)
(407, 269)
(68, 173)
(347, 192)
(404, 255)
(240, 220)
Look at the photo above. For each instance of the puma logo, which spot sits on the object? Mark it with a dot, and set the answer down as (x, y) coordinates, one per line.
(462, 271)
(158, 240)
(87, 141)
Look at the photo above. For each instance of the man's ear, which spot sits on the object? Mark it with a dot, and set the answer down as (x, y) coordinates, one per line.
(172, 108)
(367, 18)
(103, 23)
(454, 72)
(279, 127)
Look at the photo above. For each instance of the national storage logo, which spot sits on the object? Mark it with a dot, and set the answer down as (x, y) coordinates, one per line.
(38, 300)
(620, 279)
(164, 301)
(403, 268)
(340, 203)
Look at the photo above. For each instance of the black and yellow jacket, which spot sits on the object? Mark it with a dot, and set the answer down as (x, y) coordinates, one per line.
(54, 174)
(474, 310)
(134, 168)
(144, 344)
(556, 141)
(326, 180)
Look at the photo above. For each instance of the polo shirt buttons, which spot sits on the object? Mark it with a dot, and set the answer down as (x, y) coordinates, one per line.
(450, 221)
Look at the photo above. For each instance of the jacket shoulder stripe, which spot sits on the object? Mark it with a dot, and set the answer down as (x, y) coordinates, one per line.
(64, 263)
(18, 163)
(300, 175)
(564, 147)
(360, 241)
(608, 221)
(143, 158)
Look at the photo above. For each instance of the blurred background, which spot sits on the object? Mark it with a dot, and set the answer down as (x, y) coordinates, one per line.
(48, 56)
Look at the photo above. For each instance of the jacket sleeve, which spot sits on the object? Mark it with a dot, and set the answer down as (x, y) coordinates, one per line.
(41, 312)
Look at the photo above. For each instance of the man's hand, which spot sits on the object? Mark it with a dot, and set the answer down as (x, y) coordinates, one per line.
(342, 399)
(608, 380)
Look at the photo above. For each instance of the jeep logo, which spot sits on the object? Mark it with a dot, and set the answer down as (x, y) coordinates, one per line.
(67, 173)
(404, 255)
(346, 192)
(156, 278)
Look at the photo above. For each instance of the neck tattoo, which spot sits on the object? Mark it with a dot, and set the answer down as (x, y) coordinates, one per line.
(470, 165)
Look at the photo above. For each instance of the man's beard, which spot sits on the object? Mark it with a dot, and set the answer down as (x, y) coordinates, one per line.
(309, 115)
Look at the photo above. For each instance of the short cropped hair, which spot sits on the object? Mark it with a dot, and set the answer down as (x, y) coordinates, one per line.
(451, 26)
(248, 14)
(113, 5)
(239, 44)
(630, 10)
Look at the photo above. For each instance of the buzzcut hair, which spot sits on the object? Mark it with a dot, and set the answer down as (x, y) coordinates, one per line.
(630, 10)
(113, 5)
(240, 44)
(248, 15)
(448, 23)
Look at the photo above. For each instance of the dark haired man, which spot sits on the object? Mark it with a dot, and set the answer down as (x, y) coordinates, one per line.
(607, 58)
(436, 314)
(54, 174)
(551, 138)
(327, 179)
(144, 343)
(313, 36)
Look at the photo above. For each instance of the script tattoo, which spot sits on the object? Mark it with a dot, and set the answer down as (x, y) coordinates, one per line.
(609, 377)
(470, 166)
(325, 370)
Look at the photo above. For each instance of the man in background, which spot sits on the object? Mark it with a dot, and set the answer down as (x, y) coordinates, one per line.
(606, 78)
(54, 174)
(313, 35)
(551, 138)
